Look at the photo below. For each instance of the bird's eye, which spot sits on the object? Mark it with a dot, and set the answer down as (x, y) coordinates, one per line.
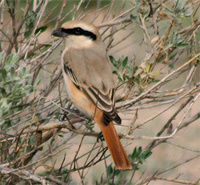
(78, 30)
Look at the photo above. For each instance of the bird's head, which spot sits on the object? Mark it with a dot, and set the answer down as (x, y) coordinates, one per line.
(78, 34)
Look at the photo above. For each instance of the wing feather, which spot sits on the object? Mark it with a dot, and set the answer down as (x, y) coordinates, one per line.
(104, 101)
(94, 78)
(79, 66)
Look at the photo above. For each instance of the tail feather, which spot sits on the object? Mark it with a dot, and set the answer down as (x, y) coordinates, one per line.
(115, 147)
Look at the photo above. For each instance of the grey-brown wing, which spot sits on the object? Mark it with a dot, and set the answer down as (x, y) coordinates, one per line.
(95, 81)
(91, 66)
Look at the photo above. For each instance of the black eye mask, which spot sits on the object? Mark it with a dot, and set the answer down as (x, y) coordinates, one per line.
(62, 32)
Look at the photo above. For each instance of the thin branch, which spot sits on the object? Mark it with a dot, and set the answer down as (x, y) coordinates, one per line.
(23, 174)
(130, 102)
(176, 181)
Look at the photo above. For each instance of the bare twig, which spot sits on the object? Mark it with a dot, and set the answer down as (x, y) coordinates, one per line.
(23, 174)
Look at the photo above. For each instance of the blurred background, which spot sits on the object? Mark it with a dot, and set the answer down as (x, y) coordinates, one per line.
(154, 47)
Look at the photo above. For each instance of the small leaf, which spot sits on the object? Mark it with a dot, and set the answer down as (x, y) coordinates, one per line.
(60, 135)
(179, 6)
(154, 81)
(140, 162)
(139, 151)
(147, 65)
(188, 10)
(171, 66)
(117, 172)
(138, 79)
(27, 33)
(133, 155)
(109, 170)
(1, 56)
(3, 74)
(125, 77)
(146, 154)
(179, 39)
(133, 17)
(11, 59)
(135, 167)
(135, 69)
(15, 58)
(2, 92)
(167, 12)
(46, 47)
(2, 122)
(115, 72)
(38, 81)
(112, 59)
(137, 5)
(129, 70)
(12, 71)
(182, 45)
(29, 28)
(40, 29)
(120, 79)
(155, 73)
(124, 63)
(27, 87)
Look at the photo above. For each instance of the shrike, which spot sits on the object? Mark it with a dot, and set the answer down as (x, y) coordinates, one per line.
(88, 77)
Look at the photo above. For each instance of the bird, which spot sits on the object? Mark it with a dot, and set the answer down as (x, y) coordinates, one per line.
(89, 81)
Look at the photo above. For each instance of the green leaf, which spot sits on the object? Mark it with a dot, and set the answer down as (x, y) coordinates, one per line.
(179, 6)
(125, 77)
(115, 72)
(12, 71)
(40, 29)
(133, 17)
(120, 79)
(139, 151)
(146, 154)
(3, 74)
(168, 12)
(15, 58)
(182, 45)
(117, 172)
(29, 27)
(155, 73)
(179, 39)
(154, 81)
(124, 62)
(1, 56)
(188, 10)
(22, 72)
(2, 122)
(137, 5)
(5, 106)
(2, 92)
(112, 59)
(61, 135)
(46, 47)
(129, 70)
(135, 167)
(109, 170)
(171, 66)
(11, 60)
(133, 155)
(27, 87)
(147, 66)
(138, 79)
(27, 33)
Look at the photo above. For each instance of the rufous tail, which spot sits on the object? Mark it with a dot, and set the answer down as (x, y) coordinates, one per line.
(115, 147)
